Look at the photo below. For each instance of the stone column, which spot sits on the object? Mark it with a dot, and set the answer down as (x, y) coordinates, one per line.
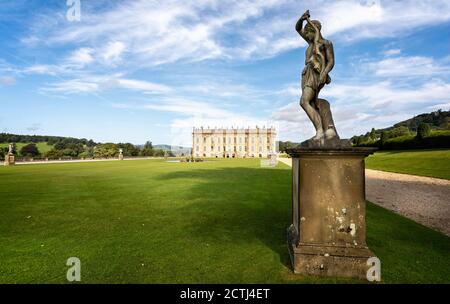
(328, 232)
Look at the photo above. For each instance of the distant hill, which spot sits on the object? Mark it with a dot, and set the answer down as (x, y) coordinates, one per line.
(176, 150)
(434, 133)
(437, 120)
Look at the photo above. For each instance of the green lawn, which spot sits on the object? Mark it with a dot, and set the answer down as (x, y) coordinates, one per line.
(43, 147)
(434, 163)
(151, 221)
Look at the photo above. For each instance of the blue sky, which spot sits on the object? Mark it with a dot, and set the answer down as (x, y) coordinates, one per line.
(131, 71)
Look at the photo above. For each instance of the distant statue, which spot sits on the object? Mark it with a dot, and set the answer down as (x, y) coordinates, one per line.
(319, 61)
(10, 149)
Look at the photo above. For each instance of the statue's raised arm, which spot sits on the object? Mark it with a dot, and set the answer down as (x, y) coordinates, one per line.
(299, 25)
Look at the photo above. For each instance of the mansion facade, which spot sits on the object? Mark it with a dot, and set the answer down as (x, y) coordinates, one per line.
(229, 143)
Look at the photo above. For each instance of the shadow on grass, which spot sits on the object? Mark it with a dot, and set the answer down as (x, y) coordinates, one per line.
(248, 205)
(238, 205)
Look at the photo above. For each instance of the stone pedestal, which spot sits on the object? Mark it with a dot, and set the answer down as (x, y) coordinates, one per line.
(9, 160)
(328, 232)
(121, 156)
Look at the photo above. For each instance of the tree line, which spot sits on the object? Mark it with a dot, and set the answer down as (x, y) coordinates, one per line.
(66, 147)
(51, 140)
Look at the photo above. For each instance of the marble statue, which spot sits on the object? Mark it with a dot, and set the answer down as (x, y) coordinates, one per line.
(319, 61)
(10, 149)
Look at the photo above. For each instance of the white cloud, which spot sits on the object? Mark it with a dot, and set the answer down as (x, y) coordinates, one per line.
(142, 34)
(97, 83)
(392, 52)
(357, 108)
(112, 53)
(193, 113)
(407, 66)
(355, 19)
(72, 86)
(159, 32)
(81, 57)
(141, 85)
(42, 69)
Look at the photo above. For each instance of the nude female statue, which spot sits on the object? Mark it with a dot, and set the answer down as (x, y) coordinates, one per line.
(319, 61)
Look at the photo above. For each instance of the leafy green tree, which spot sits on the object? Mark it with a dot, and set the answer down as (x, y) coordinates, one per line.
(85, 154)
(423, 130)
(399, 131)
(14, 148)
(53, 154)
(384, 137)
(284, 145)
(106, 150)
(373, 135)
(445, 124)
(148, 149)
(158, 152)
(3, 152)
(129, 149)
(30, 150)
(69, 152)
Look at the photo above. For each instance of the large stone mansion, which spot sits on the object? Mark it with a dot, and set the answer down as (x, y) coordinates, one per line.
(229, 143)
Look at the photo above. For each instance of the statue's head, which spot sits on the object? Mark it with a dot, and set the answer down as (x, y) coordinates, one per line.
(309, 30)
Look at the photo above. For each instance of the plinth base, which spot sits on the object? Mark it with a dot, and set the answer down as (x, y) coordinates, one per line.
(328, 232)
(328, 261)
(9, 160)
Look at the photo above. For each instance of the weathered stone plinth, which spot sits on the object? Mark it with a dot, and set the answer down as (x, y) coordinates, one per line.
(328, 232)
(9, 160)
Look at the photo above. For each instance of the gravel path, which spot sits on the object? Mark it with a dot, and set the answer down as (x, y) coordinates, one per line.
(425, 200)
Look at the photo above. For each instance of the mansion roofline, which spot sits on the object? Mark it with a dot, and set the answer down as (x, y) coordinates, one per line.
(226, 129)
